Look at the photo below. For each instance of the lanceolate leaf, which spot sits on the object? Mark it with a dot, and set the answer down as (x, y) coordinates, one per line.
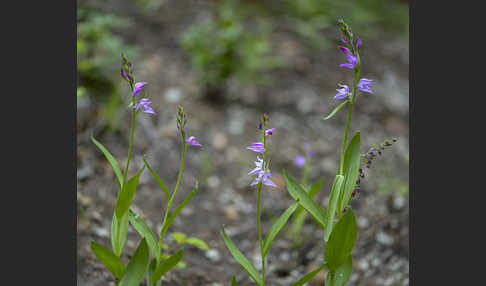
(137, 266)
(110, 260)
(119, 233)
(352, 158)
(159, 180)
(233, 281)
(333, 201)
(171, 218)
(145, 232)
(196, 242)
(298, 193)
(277, 226)
(336, 110)
(342, 274)
(300, 214)
(126, 195)
(341, 241)
(111, 160)
(150, 271)
(309, 276)
(167, 265)
(242, 260)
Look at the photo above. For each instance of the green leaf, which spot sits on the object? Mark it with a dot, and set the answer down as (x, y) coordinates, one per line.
(343, 272)
(126, 195)
(300, 214)
(341, 241)
(233, 281)
(173, 215)
(150, 270)
(145, 232)
(309, 276)
(336, 110)
(179, 237)
(119, 233)
(137, 266)
(242, 260)
(351, 164)
(167, 265)
(197, 242)
(111, 160)
(277, 226)
(159, 180)
(333, 201)
(298, 193)
(110, 260)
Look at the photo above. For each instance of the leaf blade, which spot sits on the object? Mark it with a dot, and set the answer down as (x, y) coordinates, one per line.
(144, 231)
(240, 257)
(158, 179)
(137, 266)
(167, 265)
(111, 160)
(277, 226)
(297, 192)
(126, 195)
(333, 201)
(336, 110)
(352, 160)
(110, 260)
(309, 276)
(341, 241)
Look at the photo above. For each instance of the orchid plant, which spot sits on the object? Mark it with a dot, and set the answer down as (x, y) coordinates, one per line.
(140, 265)
(340, 237)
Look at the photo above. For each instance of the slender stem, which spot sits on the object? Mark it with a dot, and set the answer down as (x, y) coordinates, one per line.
(169, 203)
(132, 131)
(260, 231)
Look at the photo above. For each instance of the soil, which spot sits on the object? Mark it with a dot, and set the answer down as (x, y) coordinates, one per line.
(298, 96)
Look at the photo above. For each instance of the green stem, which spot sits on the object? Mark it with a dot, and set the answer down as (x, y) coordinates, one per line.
(260, 231)
(130, 147)
(169, 203)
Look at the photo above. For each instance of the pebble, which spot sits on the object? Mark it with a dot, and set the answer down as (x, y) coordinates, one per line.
(231, 213)
(399, 202)
(363, 222)
(213, 181)
(102, 232)
(384, 238)
(173, 95)
(219, 141)
(213, 255)
(363, 264)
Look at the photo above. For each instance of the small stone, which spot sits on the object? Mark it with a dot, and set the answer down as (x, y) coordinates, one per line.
(363, 222)
(231, 213)
(213, 255)
(384, 238)
(102, 232)
(213, 181)
(173, 95)
(399, 202)
(363, 264)
(219, 141)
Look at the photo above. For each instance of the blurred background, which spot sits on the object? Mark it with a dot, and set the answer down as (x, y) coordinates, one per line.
(227, 62)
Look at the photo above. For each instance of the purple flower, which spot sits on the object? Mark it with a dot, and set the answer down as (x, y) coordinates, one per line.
(258, 168)
(344, 39)
(144, 104)
(138, 87)
(364, 85)
(342, 92)
(299, 161)
(308, 149)
(353, 60)
(358, 42)
(125, 75)
(261, 176)
(192, 141)
(257, 147)
(269, 131)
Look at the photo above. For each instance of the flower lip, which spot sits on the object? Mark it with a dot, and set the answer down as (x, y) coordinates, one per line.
(192, 141)
(364, 85)
(269, 131)
(144, 104)
(257, 147)
(342, 92)
(138, 87)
